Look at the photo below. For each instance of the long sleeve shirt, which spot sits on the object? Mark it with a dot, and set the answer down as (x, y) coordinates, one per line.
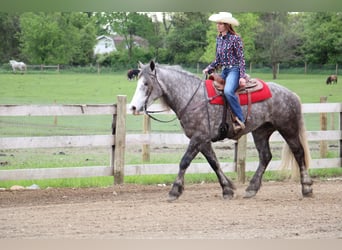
(229, 51)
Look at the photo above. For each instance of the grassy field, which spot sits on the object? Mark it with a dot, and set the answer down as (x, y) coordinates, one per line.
(72, 88)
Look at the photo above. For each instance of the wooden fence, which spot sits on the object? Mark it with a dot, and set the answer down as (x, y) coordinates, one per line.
(116, 137)
(118, 140)
(41, 67)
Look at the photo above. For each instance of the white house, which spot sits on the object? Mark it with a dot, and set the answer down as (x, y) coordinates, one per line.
(105, 44)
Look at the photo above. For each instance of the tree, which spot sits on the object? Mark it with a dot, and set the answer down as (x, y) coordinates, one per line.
(156, 37)
(275, 42)
(56, 38)
(323, 37)
(186, 42)
(9, 42)
(83, 28)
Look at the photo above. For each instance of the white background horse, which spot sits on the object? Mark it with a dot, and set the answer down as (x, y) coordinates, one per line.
(18, 65)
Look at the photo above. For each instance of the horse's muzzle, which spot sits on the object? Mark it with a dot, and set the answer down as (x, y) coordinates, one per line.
(134, 110)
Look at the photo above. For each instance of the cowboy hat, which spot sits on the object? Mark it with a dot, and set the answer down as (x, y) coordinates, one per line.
(224, 17)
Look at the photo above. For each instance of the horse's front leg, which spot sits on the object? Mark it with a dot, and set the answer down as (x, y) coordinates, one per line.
(227, 186)
(178, 185)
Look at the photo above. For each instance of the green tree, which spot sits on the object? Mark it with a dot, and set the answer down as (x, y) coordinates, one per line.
(9, 42)
(83, 28)
(323, 37)
(275, 42)
(56, 38)
(156, 36)
(186, 41)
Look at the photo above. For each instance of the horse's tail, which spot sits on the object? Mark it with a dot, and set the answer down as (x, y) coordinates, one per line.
(288, 158)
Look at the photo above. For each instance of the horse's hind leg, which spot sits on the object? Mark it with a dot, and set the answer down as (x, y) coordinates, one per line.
(299, 154)
(261, 139)
(226, 184)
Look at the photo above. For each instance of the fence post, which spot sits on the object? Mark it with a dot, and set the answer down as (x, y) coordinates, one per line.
(120, 140)
(146, 147)
(340, 139)
(323, 120)
(241, 159)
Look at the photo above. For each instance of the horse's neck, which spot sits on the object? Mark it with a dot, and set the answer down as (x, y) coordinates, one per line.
(178, 93)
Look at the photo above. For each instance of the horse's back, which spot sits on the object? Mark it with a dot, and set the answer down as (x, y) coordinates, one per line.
(285, 105)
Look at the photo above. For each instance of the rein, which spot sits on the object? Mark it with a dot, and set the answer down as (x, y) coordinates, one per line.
(181, 113)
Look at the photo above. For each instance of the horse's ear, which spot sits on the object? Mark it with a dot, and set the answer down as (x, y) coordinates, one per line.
(152, 65)
(140, 65)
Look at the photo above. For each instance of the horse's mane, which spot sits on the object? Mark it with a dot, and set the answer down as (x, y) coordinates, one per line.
(178, 69)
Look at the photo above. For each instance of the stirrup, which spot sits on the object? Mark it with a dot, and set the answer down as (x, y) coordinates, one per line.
(238, 125)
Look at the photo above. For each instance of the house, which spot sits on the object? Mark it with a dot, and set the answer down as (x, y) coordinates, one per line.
(108, 44)
(104, 44)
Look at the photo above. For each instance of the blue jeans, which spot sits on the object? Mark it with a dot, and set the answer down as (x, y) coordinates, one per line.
(232, 76)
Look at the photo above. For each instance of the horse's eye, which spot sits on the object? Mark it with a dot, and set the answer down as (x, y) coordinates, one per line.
(146, 83)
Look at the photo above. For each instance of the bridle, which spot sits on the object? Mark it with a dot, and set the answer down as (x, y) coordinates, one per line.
(181, 113)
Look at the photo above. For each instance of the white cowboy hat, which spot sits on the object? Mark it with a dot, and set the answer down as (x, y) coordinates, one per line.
(224, 17)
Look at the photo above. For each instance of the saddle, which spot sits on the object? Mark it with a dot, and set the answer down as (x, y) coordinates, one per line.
(252, 84)
(253, 88)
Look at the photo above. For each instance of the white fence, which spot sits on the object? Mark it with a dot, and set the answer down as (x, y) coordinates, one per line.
(118, 140)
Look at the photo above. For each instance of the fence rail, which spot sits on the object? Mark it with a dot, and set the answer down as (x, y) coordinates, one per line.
(43, 66)
(110, 140)
(118, 140)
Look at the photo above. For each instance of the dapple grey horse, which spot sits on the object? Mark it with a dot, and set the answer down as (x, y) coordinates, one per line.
(186, 95)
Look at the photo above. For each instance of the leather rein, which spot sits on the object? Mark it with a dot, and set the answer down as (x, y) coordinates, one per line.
(181, 113)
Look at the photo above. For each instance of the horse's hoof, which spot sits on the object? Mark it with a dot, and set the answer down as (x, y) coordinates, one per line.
(172, 198)
(228, 196)
(307, 191)
(309, 195)
(250, 194)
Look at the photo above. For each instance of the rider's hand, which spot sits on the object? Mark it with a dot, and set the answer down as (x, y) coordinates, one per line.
(242, 82)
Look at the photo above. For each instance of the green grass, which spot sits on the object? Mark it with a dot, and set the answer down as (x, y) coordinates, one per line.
(63, 88)
(103, 88)
(73, 88)
(166, 179)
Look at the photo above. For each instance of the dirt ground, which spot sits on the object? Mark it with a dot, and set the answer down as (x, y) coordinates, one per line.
(142, 212)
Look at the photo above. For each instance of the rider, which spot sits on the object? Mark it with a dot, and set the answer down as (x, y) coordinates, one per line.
(229, 56)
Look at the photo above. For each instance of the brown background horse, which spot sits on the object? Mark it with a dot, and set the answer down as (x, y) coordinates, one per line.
(332, 79)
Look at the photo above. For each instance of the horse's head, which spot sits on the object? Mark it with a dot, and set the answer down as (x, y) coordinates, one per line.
(148, 88)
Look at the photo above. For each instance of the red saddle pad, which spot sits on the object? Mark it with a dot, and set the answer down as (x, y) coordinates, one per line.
(256, 96)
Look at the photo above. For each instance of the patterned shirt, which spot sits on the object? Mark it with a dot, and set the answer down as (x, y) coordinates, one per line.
(229, 51)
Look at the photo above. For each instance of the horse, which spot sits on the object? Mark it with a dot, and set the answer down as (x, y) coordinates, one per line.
(185, 94)
(332, 79)
(17, 65)
(133, 74)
